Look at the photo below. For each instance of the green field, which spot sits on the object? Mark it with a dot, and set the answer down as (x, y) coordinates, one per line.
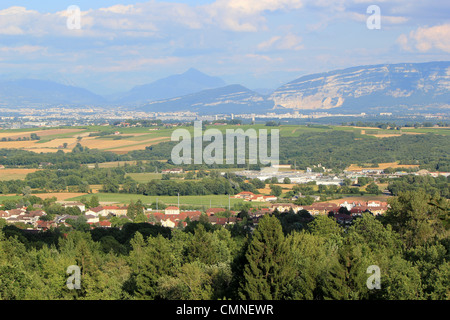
(207, 200)
(3, 198)
(144, 176)
(12, 176)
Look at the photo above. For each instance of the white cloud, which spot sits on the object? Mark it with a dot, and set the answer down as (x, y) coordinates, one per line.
(11, 30)
(25, 49)
(15, 11)
(119, 8)
(403, 42)
(291, 42)
(16, 20)
(425, 39)
(362, 17)
(247, 16)
(257, 6)
(288, 42)
(254, 57)
(269, 43)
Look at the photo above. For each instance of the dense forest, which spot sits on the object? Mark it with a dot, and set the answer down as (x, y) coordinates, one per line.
(439, 186)
(339, 149)
(319, 260)
(114, 180)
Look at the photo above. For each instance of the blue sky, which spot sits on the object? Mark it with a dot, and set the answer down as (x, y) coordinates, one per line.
(257, 43)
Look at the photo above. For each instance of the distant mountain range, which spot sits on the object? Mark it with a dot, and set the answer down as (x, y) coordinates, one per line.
(393, 87)
(177, 85)
(42, 93)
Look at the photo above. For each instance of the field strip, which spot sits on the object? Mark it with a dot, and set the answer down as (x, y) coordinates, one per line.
(40, 133)
(385, 165)
(15, 173)
(131, 147)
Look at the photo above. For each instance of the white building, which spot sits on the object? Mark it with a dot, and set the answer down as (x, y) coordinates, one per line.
(172, 210)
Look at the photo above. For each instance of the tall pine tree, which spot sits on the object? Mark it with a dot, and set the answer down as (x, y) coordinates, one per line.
(269, 268)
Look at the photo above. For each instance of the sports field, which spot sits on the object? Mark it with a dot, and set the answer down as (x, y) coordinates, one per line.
(145, 176)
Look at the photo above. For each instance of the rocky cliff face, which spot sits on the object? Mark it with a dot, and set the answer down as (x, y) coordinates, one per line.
(412, 84)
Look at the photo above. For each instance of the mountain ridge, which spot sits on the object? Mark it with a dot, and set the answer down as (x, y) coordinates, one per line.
(382, 85)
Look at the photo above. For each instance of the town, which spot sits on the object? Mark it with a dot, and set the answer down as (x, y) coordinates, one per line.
(172, 217)
(28, 117)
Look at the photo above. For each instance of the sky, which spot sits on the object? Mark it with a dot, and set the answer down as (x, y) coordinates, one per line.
(116, 45)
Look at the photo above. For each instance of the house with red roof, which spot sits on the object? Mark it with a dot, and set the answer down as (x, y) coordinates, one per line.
(375, 207)
(94, 211)
(244, 195)
(252, 212)
(172, 210)
(322, 208)
(343, 218)
(4, 214)
(105, 211)
(91, 219)
(45, 225)
(282, 207)
(214, 211)
(172, 216)
(104, 224)
(69, 204)
(222, 221)
(359, 210)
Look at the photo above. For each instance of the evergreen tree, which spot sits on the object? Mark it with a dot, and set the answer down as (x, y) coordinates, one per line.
(131, 210)
(269, 269)
(139, 210)
(149, 260)
(94, 202)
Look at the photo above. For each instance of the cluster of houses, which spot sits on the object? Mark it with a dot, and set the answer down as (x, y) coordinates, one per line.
(173, 216)
(34, 220)
(22, 215)
(323, 208)
(352, 209)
